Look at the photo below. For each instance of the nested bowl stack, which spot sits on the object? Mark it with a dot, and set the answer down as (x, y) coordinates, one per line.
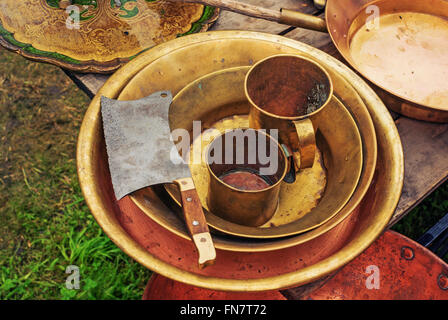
(242, 264)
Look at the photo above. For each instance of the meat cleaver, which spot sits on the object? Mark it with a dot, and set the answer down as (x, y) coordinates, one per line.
(142, 153)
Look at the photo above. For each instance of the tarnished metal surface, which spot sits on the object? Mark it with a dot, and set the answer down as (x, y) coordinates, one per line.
(285, 93)
(139, 145)
(242, 53)
(246, 207)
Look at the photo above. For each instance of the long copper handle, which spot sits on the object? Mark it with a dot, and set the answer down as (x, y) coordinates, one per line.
(284, 16)
(196, 223)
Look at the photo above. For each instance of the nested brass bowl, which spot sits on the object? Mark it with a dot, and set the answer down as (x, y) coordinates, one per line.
(175, 64)
(218, 100)
(159, 73)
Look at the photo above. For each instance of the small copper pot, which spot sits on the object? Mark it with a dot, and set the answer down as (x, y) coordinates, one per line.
(284, 91)
(246, 170)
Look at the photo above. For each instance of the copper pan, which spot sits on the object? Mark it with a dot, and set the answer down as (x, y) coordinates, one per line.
(408, 66)
(398, 45)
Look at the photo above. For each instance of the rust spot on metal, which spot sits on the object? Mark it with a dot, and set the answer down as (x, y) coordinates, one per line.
(442, 281)
(407, 253)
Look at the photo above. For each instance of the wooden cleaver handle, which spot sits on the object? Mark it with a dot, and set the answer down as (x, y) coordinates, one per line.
(196, 223)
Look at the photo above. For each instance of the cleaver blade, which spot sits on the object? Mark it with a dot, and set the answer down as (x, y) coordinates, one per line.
(141, 153)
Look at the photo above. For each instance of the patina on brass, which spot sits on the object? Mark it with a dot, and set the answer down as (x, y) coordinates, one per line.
(95, 35)
(398, 45)
(248, 207)
(285, 91)
(218, 100)
(162, 258)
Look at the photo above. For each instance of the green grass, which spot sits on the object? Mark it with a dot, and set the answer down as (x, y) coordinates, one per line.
(45, 225)
(425, 215)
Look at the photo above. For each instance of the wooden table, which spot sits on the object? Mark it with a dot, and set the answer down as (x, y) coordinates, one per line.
(425, 144)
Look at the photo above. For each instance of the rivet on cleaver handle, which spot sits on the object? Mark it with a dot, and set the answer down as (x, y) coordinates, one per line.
(196, 223)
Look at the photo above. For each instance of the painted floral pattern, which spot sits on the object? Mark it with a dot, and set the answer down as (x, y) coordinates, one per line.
(89, 8)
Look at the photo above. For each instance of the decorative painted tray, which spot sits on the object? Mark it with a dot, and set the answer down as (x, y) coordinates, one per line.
(96, 35)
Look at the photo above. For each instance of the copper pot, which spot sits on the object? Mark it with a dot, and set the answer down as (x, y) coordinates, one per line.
(284, 92)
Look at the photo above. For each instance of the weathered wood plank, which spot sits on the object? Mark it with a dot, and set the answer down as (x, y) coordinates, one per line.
(425, 147)
(88, 82)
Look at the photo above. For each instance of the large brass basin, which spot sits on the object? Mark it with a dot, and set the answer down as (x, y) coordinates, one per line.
(172, 256)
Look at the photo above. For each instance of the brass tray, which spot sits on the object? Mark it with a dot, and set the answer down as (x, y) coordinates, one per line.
(169, 255)
(96, 35)
(218, 101)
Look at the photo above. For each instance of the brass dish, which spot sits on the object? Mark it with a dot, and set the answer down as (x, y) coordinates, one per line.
(159, 73)
(153, 251)
(95, 36)
(218, 101)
